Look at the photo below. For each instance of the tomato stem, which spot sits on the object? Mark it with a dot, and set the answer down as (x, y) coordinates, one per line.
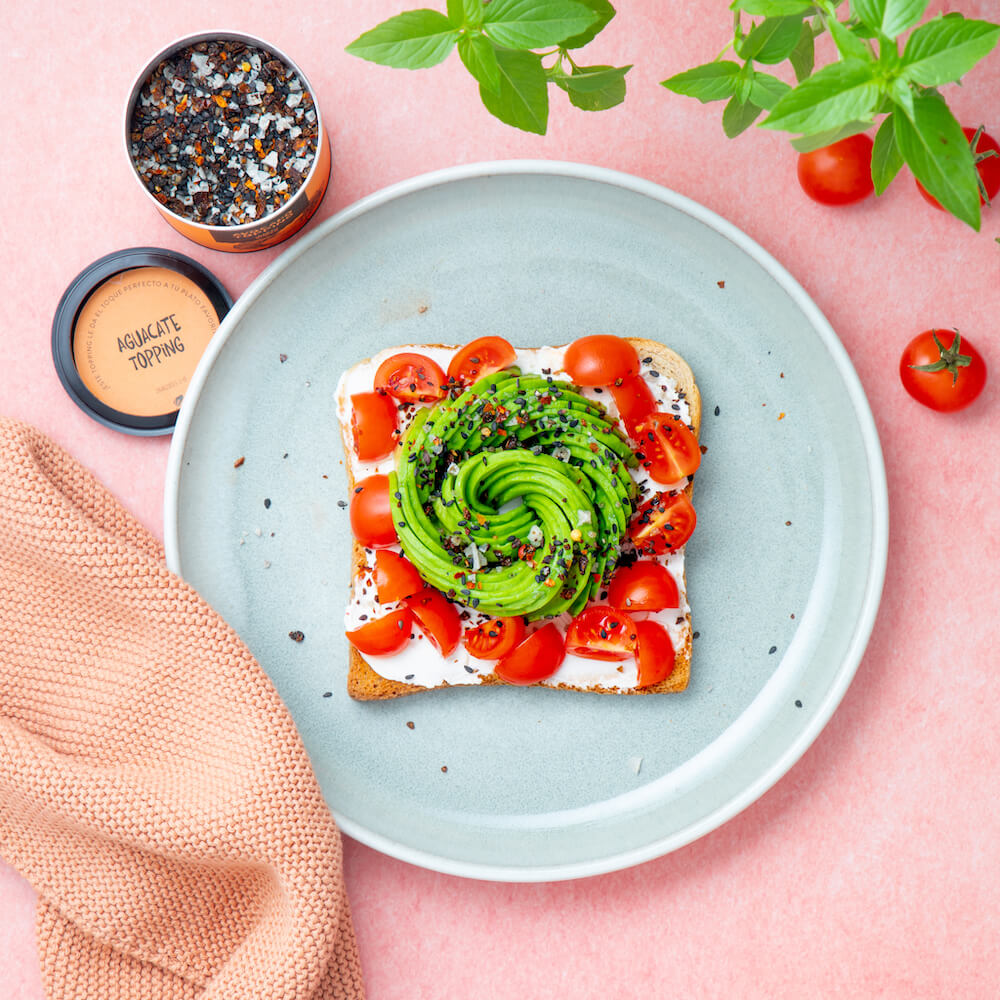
(950, 358)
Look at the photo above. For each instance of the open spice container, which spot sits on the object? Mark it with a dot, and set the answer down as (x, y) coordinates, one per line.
(225, 137)
(128, 334)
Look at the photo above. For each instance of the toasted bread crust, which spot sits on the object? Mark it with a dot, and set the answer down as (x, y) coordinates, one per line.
(365, 684)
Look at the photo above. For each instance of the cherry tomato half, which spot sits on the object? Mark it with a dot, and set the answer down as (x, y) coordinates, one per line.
(494, 638)
(482, 357)
(601, 633)
(601, 359)
(373, 424)
(536, 658)
(670, 447)
(371, 513)
(663, 523)
(412, 378)
(395, 577)
(383, 636)
(654, 653)
(634, 400)
(437, 618)
(986, 152)
(646, 585)
(840, 173)
(942, 370)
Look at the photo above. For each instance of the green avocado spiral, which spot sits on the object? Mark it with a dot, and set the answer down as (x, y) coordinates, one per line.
(513, 496)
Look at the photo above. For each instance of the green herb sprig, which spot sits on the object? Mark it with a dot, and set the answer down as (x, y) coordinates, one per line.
(498, 41)
(874, 76)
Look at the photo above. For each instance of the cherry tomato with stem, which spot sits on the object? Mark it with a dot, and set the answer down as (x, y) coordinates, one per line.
(411, 378)
(437, 618)
(601, 632)
(840, 173)
(494, 638)
(537, 657)
(383, 636)
(371, 513)
(480, 358)
(601, 359)
(986, 153)
(373, 425)
(654, 653)
(634, 399)
(670, 447)
(646, 585)
(395, 577)
(663, 523)
(945, 378)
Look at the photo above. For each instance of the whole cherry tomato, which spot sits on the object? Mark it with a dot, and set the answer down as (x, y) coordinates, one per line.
(840, 173)
(986, 152)
(942, 370)
(479, 358)
(601, 359)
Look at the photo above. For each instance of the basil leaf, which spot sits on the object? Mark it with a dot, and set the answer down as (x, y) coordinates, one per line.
(936, 150)
(414, 39)
(803, 56)
(465, 13)
(772, 41)
(532, 24)
(839, 93)
(714, 81)
(772, 8)
(477, 53)
(767, 90)
(738, 116)
(889, 17)
(902, 95)
(523, 97)
(807, 143)
(849, 45)
(744, 81)
(887, 160)
(595, 88)
(945, 49)
(604, 12)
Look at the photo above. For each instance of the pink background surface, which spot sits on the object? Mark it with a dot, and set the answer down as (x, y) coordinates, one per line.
(871, 868)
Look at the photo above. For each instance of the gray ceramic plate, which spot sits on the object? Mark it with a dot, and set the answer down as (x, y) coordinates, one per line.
(785, 570)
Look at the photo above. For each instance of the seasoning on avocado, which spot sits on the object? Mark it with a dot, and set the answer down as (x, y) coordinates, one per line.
(512, 497)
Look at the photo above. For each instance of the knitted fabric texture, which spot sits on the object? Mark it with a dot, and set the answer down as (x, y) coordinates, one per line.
(153, 787)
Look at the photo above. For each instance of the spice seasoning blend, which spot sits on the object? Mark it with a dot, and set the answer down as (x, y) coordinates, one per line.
(224, 135)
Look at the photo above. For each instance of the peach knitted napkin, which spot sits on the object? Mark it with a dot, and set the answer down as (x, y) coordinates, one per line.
(153, 787)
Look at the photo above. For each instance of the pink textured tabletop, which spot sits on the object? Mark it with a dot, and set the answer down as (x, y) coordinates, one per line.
(871, 868)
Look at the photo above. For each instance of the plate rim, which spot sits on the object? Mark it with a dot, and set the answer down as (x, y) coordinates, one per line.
(875, 467)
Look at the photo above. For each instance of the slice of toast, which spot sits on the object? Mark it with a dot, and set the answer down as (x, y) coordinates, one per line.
(364, 683)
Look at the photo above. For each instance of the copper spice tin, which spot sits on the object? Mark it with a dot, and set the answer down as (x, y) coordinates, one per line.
(272, 228)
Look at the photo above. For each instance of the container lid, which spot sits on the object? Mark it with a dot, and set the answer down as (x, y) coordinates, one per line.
(128, 334)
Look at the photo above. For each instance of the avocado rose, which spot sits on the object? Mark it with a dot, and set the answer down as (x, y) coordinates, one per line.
(513, 496)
